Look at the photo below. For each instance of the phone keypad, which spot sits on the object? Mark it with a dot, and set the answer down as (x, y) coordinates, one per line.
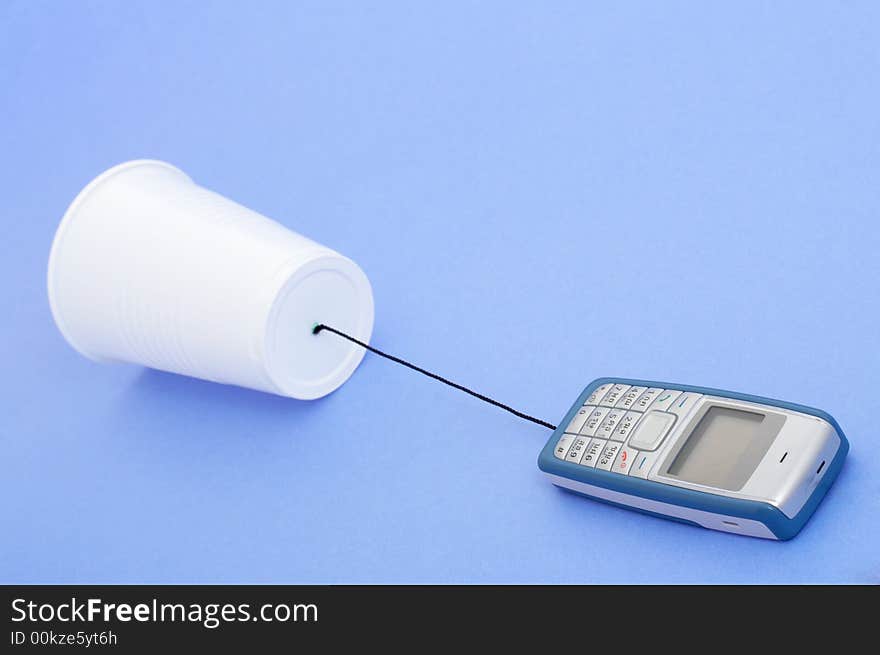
(601, 432)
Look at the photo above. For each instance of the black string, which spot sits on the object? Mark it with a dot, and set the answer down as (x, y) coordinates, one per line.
(320, 326)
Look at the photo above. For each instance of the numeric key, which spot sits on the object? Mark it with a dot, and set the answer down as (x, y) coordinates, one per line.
(606, 430)
(598, 394)
(594, 450)
(625, 425)
(644, 401)
(611, 398)
(606, 459)
(577, 450)
(594, 421)
(562, 446)
(577, 422)
(630, 397)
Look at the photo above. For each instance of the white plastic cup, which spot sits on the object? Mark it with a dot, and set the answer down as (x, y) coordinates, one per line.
(150, 268)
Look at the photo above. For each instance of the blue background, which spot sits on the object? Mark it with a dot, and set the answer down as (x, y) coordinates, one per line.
(540, 195)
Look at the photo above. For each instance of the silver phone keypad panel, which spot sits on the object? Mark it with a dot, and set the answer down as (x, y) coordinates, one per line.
(621, 427)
